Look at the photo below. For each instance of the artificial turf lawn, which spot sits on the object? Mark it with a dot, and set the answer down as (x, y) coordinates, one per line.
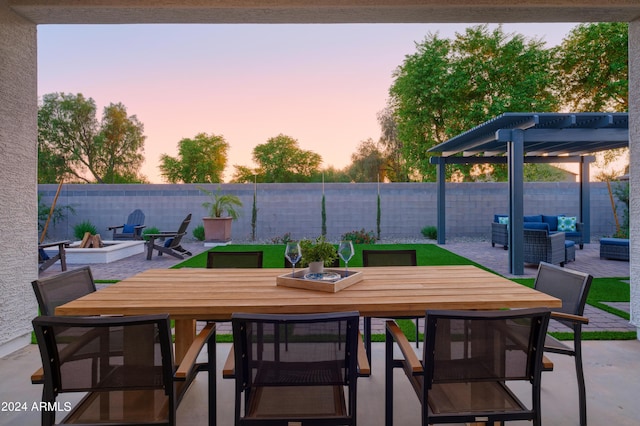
(602, 289)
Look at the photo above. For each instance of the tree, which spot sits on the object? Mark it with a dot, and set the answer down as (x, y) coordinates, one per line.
(450, 86)
(396, 170)
(200, 160)
(593, 72)
(73, 145)
(367, 163)
(280, 159)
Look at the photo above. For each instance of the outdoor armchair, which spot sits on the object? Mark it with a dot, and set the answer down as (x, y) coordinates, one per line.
(572, 287)
(132, 230)
(470, 360)
(308, 378)
(125, 365)
(45, 260)
(169, 242)
(540, 246)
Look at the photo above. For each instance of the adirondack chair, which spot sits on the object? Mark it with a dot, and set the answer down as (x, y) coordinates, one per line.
(171, 242)
(132, 230)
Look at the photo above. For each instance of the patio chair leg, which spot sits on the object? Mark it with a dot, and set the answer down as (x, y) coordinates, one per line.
(582, 396)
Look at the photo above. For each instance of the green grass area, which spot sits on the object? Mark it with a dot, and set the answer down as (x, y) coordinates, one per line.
(602, 289)
(273, 255)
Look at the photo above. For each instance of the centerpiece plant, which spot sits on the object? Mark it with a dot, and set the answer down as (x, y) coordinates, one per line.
(317, 253)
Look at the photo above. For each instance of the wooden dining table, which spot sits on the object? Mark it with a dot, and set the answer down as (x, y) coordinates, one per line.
(190, 294)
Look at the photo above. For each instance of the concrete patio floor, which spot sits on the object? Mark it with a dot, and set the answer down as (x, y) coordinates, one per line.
(611, 367)
(611, 372)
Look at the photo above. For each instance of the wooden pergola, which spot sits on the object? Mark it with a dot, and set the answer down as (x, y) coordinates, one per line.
(518, 138)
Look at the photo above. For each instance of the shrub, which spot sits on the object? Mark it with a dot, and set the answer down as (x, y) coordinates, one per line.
(360, 237)
(83, 227)
(151, 230)
(286, 238)
(198, 232)
(430, 232)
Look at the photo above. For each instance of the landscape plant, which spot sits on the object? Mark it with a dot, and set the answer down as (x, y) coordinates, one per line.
(82, 228)
(198, 232)
(359, 237)
(149, 230)
(221, 204)
(430, 232)
(318, 250)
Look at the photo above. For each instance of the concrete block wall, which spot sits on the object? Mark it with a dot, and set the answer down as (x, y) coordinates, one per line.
(296, 208)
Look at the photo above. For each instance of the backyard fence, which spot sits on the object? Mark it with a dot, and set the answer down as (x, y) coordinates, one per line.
(405, 208)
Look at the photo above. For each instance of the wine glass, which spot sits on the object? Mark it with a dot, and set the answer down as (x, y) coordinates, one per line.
(345, 251)
(293, 255)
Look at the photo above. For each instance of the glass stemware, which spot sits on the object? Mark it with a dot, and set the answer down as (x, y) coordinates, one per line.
(345, 251)
(293, 254)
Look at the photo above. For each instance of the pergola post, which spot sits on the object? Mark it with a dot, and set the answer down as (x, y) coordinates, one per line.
(585, 199)
(515, 161)
(441, 199)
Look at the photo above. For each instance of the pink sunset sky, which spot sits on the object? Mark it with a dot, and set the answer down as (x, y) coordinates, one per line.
(320, 84)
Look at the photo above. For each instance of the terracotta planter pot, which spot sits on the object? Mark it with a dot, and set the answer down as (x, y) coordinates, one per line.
(217, 229)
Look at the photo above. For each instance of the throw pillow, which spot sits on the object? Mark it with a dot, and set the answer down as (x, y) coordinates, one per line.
(128, 229)
(567, 223)
(503, 220)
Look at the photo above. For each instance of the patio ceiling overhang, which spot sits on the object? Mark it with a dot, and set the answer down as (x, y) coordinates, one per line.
(517, 138)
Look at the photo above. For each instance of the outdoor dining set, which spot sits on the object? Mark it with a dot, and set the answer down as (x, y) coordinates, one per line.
(299, 355)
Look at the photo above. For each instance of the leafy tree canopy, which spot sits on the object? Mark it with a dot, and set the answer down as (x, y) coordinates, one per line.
(73, 145)
(367, 163)
(201, 159)
(593, 72)
(280, 159)
(450, 86)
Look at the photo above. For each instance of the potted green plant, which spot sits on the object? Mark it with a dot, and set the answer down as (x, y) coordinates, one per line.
(317, 254)
(223, 209)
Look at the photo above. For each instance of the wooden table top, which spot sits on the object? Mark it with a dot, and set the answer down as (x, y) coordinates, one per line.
(215, 294)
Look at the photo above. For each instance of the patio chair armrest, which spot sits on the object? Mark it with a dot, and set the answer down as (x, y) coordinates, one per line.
(188, 364)
(140, 227)
(229, 369)
(570, 317)
(364, 369)
(115, 227)
(55, 243)
(37, 378)
(411, 360)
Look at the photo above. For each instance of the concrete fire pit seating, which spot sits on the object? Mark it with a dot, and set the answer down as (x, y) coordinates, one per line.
(614, 248)
(559, 223)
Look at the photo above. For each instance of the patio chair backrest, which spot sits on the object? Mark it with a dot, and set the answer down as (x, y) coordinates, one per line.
(182, 231)
(136, 218)
(389, 258)
(476, 346)
(59, 289)
(235, 259)
(572, 287)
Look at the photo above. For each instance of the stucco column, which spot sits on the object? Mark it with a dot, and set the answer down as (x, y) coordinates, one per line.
(18, 178)
(634, 178)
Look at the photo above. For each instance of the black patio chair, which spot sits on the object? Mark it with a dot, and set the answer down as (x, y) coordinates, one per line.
(125, 365)
(572, 287)
(172, 240)
(312, 380)
(387, 258)
(234, 259)
(64, 287)
(470, 361)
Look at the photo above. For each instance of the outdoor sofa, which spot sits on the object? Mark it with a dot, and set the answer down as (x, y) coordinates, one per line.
(569, 225)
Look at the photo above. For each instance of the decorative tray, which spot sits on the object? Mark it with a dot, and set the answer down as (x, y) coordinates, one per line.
(330, 281)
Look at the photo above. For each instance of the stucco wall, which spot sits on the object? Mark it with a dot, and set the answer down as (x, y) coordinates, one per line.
(18, 135)
(296, 208)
